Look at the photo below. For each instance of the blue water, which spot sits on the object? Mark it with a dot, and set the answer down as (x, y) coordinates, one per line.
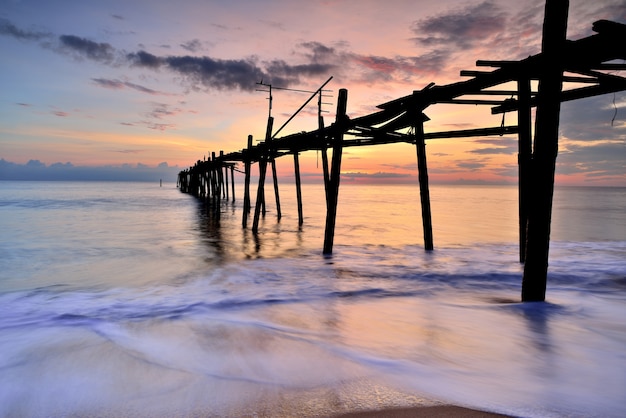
(137, 300)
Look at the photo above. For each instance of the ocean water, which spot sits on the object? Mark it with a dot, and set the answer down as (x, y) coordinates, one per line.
(130, 299)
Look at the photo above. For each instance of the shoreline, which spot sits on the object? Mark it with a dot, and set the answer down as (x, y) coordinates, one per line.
(436, 411)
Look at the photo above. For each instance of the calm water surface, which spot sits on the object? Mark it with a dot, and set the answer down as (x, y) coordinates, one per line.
(135, 299)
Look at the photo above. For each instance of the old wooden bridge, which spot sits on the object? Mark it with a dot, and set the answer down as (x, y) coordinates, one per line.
(583, 65)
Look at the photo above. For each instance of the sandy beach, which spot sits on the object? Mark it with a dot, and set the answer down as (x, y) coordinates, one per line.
(425, 411)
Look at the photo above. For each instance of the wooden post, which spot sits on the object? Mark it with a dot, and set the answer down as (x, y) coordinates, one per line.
(324, 159)
(232, 181)
(422, 169)
(224, 170)
(545, 151)
(260, 195)
(523, 159)
(246, 186)
(296, 169)
(332, 194)
(275, 178)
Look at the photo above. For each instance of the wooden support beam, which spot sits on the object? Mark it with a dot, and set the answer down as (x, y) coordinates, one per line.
(276, 193)
(224, 170)
(296, 169)
(492, 63)
(232, 181)
(325, 172)
(466, 133)
(246, 186)
(524, 160)
(473, 102)
(420, 144)
(260, 195)
(474, 73)
(545, 152)
(332, 193)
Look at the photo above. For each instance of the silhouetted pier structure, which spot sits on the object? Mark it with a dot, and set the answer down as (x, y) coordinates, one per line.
(582, 64)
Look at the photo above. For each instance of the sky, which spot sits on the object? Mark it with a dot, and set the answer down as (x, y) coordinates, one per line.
(141, 89)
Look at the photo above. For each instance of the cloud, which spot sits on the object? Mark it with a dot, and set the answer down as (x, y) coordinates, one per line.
(461, 28)
(378, 175)
(192, 46)
(500, 146)
(60, 113)
(144, 59)
(37, 170)
(82, 47)
(210, 73)
(8, 29)
(161, 110)
(472, 165)
(116, 84)
(591, 118)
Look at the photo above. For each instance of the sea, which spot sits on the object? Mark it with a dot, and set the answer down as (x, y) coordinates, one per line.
(137, 300)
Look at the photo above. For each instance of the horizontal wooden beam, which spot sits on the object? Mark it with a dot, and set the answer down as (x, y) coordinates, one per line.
(468, 133)
(493, 63)
(473, 102)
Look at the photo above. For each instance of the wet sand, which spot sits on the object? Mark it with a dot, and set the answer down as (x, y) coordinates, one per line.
(424, 411)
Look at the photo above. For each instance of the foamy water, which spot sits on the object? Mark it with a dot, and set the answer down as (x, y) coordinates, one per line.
(116, 301)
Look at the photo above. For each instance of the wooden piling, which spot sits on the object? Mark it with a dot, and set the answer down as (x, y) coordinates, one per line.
(276, 194)
(224, 172)
(296, 169)
(545, 151)
(260, 196)
(332, 194)
(232, 181)
(246, 186)
(523, 159)
(420, 145)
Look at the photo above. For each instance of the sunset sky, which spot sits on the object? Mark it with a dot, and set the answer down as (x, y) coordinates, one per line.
(137, 85)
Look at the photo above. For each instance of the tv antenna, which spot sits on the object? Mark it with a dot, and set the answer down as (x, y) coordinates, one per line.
(319, 92)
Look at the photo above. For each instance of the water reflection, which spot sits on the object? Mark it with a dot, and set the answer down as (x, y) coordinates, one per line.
(219, 229)
(209, 226)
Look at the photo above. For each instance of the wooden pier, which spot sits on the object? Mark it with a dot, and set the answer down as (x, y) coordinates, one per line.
(561, 63)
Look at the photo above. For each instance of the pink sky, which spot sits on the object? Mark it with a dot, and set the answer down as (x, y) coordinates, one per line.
(147, 82)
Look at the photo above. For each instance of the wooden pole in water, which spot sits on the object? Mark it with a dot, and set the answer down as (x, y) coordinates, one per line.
(260, 195)
(422, 169)
(325, 171)
(224, 170)
(232, 181)
(296, 169)
(275, 178)
(246, 186)
(545, 151)
(332, 194)
(523, 159)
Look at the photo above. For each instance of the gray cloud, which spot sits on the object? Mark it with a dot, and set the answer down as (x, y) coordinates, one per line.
(378, 175)
(472, 165)
(8, 29)
(590, 119)
(97, 51)
(116, 84)
(503, 145)
(606, 159)
(192, 46)
(461, 28)
(37, 170)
